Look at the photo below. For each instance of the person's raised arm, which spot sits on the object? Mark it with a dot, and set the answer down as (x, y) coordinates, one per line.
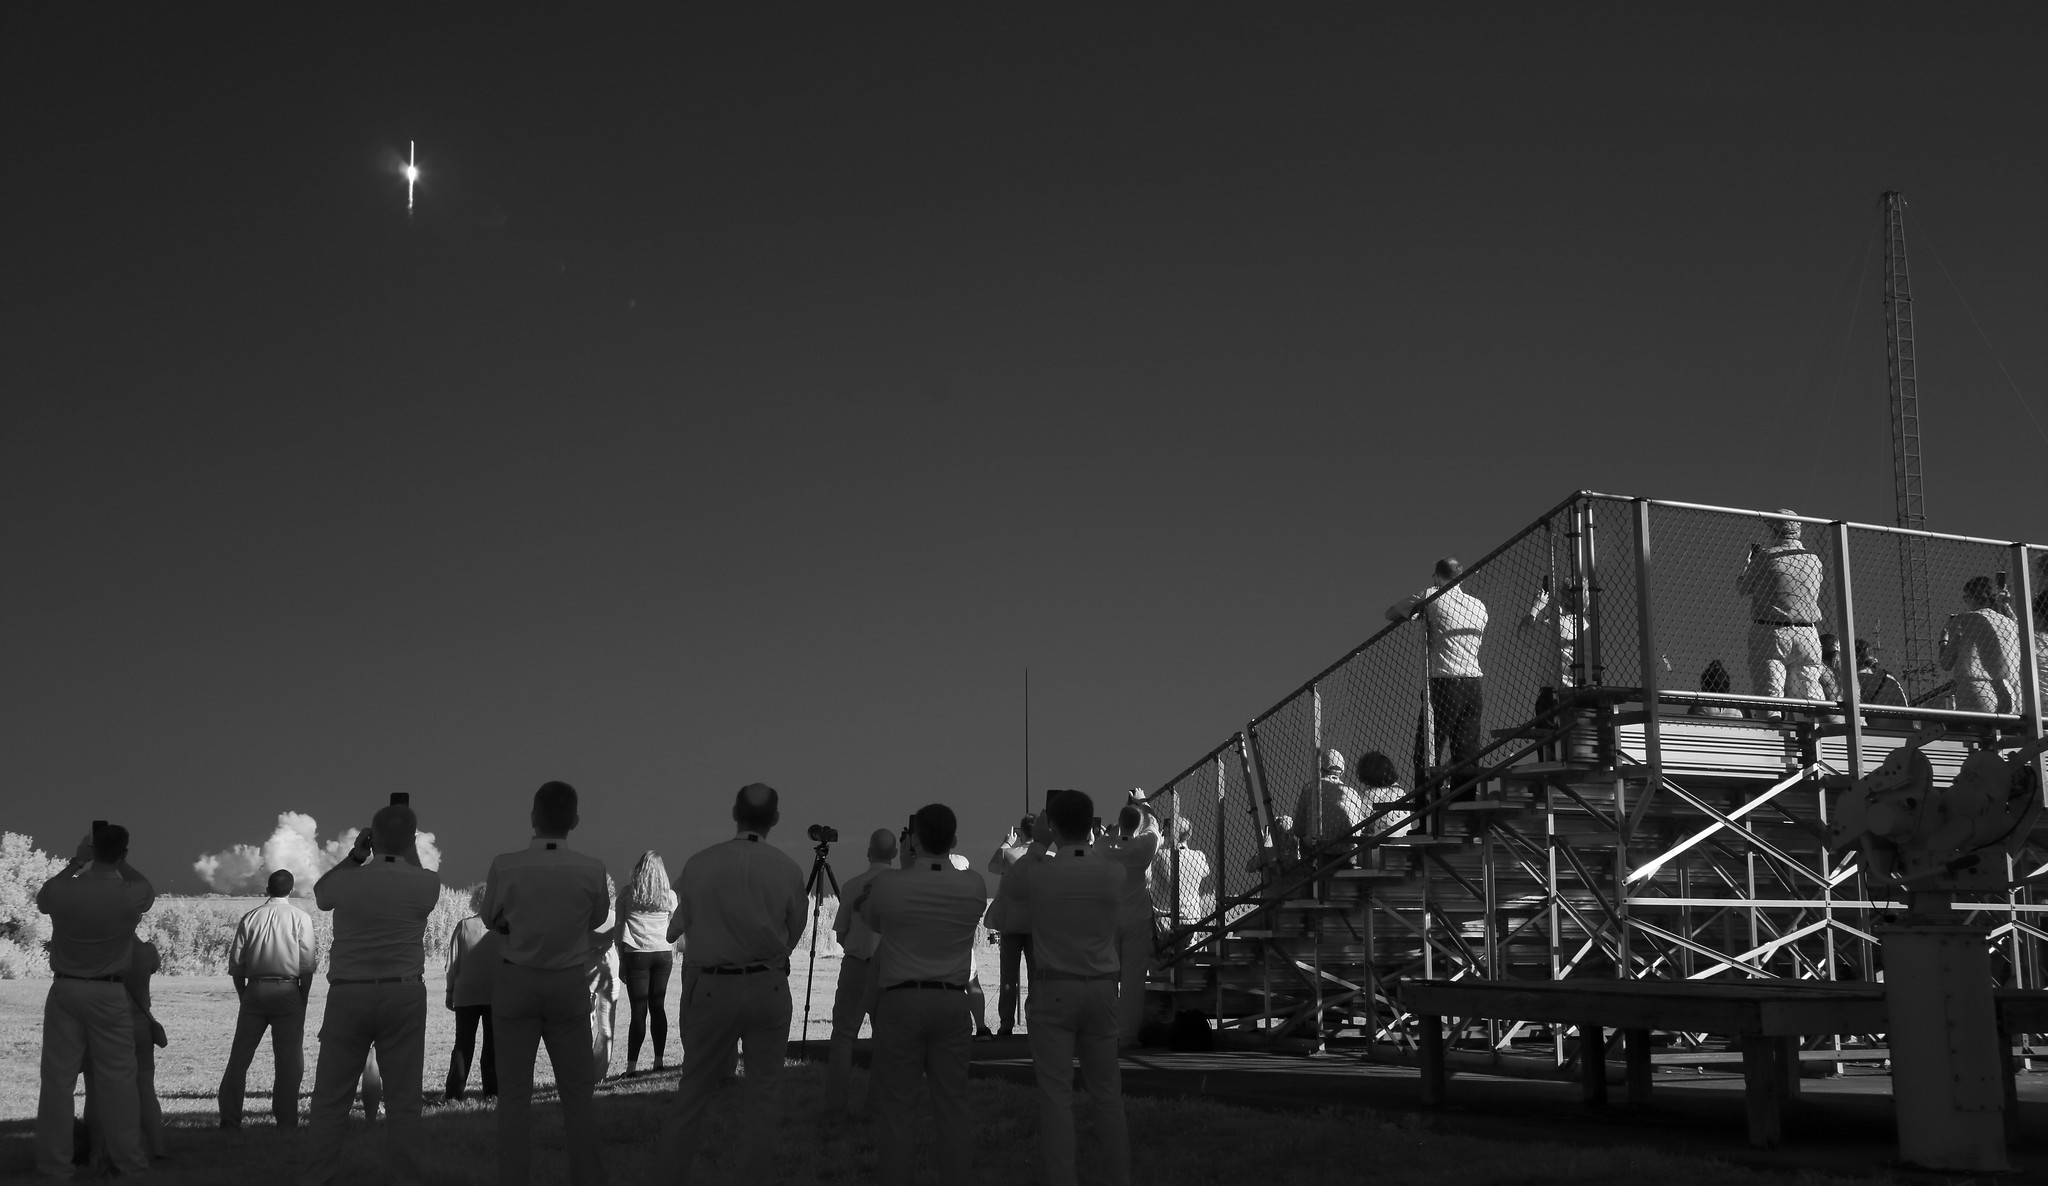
(79, 860)
(136, 888)
(323, 893)
(1403, 609)
(1537, 609)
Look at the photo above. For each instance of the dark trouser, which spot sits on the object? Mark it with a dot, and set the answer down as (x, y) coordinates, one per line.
(467, 1020)
(274, 1004)
(1011, 951)
(646, 975)
(1456, 704)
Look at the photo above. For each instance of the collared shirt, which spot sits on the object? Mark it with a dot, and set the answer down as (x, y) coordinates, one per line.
(1783, 583)
(143, 963)
(856, 937)
(1195, 904)
(545, 900)
(739, 903)
(1327, 808)
(926, 916)
(1457, 627)
(1074, 901)
(1009, 917)
(275, 939)
(380, 917)
(474, 954)
(92, 920)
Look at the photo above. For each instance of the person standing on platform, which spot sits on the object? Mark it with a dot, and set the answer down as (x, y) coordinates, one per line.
(1134, 845)
(740, 907)
(1455, 623)
(1981, 646)
(1012, 925)
(94, 903)
(473, 959)
(1183, 901)
(926, 915)
(853, 999)
(376, 992)
(646, 958)
(271, 962)
(546, 901)
(1074, 902)
(1783, 583)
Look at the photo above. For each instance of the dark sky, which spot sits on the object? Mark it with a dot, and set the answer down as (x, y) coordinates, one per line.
(757, 396)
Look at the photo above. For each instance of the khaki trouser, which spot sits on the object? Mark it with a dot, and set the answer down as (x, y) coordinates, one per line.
(392, 1019)
(921, 1033)
(529, 1006)
(274, 1005)
(152, 1111)
(88, 1020)
(1072, 1018)
(752, 1011)
(852, 1001)
(1785, 661)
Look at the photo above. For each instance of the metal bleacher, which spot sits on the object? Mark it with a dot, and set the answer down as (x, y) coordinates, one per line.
(1609, 828)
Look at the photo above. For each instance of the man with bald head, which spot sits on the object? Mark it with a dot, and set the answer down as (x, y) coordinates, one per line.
(271, 962)
(740, 904)
(376, 997)
(854, 1000)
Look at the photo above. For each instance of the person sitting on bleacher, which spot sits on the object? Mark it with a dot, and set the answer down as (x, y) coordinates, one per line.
(1714, 679)
(1877, 685)
(1327, 809)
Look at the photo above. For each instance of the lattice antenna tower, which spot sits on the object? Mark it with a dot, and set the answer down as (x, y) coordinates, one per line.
(1909, 489)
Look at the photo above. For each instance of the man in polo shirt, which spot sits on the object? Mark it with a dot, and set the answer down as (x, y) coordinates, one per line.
(1074, 901)
(926, 914)
(93, 902)
(740, 904)
(544, 902)
(271, 962)
(854, 999)
(375, 996)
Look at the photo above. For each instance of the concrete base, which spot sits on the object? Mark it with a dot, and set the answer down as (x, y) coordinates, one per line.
(1946, 1071)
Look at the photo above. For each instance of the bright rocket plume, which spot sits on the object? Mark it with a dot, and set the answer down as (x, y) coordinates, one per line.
(294, 845)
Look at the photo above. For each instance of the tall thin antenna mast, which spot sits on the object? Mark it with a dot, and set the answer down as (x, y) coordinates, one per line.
(1027, 741)
(1909, 488)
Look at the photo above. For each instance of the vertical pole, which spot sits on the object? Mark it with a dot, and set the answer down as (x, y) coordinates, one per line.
(1650, 674)
(2033, 719)
(1315, 826)
(1027, 741)
(1852, 688)
(1596, 663)
(1222, 853)
(1551, 900)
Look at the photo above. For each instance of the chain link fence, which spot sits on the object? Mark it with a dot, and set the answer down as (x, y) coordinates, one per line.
(1216, 848)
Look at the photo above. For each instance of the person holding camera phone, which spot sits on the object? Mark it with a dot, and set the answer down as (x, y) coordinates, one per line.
(549, 905)
(853, 1000)
(1981, 645)
(376, 992)
(740, 906)
(1012, 924)
(94, 903)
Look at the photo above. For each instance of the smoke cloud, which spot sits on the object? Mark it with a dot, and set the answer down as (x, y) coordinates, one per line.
(295, 845)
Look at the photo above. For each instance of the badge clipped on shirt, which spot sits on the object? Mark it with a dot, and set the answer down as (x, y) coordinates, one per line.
(551, 846)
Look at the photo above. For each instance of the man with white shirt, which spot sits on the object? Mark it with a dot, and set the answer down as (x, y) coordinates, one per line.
(544, 901)
(93, 902)
(926, 915)
(1133, 845)
(1012, 925)
(1455, 623)
(1074, 901)
(271, 963)
(375, 992)
(740, 907)
(854, 999)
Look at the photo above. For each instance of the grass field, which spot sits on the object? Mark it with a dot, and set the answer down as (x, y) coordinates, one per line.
(1174, 1141)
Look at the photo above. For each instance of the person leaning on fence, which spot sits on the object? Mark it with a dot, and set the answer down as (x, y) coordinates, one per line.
(548, 904)
(1074, 901)
(1981, 646)
(376, 995)
(1327, 810)
(1877, 685)
(853, 998)
(1714, 679)
(1455, 622)
(740, 906)
(1133, 845)
(1783, 583)
(1013, 931)
(926, 914)
(646, 958)
(94, 903)
(473, 959)
(271, 963)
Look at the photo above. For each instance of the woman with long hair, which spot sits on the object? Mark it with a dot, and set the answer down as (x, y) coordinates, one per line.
(646, 958)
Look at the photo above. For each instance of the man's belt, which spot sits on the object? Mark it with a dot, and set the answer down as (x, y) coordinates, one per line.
(287, 979)
(1783, 625)
(114, 978)
(1048, 974)
(940, 985)
(412, 979)
(739, 969)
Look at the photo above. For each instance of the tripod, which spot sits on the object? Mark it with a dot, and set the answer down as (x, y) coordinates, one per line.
(821, 876)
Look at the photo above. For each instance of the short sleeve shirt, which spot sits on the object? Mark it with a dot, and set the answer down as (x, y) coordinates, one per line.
(740, 903)
(380, 919)
(92, 921)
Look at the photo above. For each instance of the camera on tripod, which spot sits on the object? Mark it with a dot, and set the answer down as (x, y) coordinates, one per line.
(824, 834)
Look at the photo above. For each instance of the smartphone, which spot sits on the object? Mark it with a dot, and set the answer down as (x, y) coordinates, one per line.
(2001, 580)
(98, 826)
(1546, 582)
(1098, 825)
(1049, 793)
(401, 799)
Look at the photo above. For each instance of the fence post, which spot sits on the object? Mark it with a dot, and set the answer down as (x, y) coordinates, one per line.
(1648, 658)
(1222, 851)
(1852, 686)
(2030, 706)
(1596, 662)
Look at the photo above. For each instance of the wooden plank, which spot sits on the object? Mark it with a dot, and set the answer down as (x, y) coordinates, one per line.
(1637, 1045)
(1760, 1089)
(1593, 1064)
(1788, 1067)
(1430, 1029)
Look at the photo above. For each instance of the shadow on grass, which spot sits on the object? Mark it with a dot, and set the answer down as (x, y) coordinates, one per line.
(1176, 1141)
